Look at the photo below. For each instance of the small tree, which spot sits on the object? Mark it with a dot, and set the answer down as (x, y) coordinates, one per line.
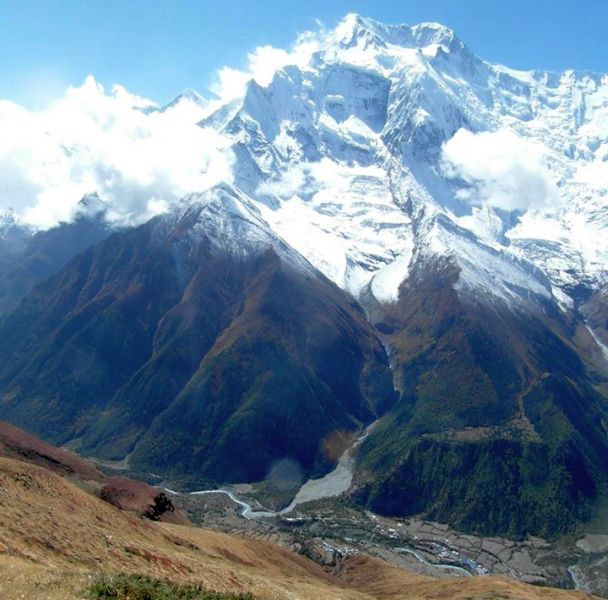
(162, 504)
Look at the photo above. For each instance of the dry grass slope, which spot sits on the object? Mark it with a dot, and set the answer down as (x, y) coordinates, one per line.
(55, 537)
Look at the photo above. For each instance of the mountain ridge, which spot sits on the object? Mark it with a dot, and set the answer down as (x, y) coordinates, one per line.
(391, 196)
(249, 326)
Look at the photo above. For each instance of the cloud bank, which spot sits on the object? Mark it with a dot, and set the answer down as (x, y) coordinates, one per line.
(137, 157)
(499, 169)
(140, 158)
(263, 62)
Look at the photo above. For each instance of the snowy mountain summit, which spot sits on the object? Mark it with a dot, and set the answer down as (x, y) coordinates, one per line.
(382, 146)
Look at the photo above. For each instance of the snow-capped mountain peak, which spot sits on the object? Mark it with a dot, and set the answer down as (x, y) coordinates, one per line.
(387, 126)
(355, 30)
(8, 218)
(187, 95)
(371, 146)
(91, 206)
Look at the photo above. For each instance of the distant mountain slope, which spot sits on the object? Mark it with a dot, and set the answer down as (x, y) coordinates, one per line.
(595, 311)
(501, 425)
(475, 265)
(27, 257)
(198, 343)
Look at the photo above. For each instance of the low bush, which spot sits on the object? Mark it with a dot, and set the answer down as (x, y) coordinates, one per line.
(141, 587)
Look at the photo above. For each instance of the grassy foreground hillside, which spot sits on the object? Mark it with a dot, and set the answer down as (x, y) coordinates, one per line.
(56, 540)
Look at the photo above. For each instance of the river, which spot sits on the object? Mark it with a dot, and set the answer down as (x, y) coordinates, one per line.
(331, 485)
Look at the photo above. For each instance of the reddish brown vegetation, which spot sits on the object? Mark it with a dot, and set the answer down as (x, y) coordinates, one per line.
(126, 494)
(16, 443)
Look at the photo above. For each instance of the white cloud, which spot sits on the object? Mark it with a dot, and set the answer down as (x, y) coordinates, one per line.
(230, 83)
(500, 169)
(324, 177)
(137, 160)
(265, 61)
(292, 182)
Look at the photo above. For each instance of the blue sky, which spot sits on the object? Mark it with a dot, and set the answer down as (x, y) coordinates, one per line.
(156, 48)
